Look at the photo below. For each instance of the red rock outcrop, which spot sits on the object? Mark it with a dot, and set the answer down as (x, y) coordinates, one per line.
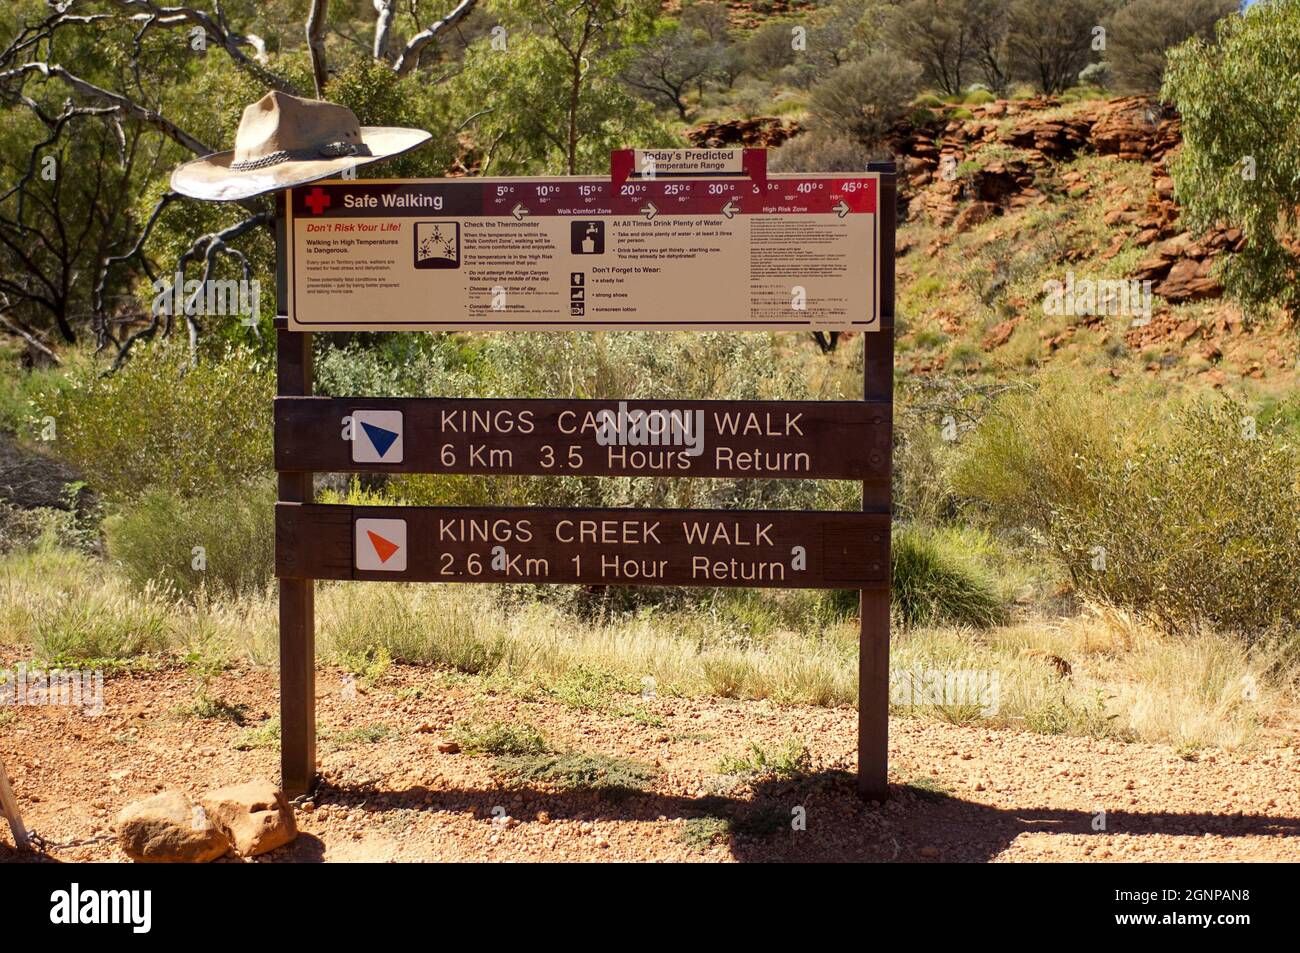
(759, 132)
(1135, 128)
(1182, 268)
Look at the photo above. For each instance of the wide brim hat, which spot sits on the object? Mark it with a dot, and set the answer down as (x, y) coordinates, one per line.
(285, 141)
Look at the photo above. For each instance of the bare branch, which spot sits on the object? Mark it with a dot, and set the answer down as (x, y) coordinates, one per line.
(103, 333)
(205, 248)
(316, 44)
(153, 14)
(383, 28)
(410, 56)
(141, 113)
(20, 330)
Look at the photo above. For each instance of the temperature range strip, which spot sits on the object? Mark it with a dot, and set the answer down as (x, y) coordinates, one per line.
(827, 194)
(609, 547)
(848, 440)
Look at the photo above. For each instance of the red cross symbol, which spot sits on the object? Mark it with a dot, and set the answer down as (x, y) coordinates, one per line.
(316, 200)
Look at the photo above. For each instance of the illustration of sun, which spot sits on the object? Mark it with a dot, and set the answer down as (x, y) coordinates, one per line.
(438, 245)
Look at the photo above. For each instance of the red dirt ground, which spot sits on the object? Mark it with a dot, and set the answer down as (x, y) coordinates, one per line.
(960, 793)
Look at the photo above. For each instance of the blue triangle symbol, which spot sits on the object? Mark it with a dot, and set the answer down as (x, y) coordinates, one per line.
(381, 438)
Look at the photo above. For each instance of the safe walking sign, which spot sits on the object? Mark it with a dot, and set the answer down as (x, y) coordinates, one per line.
(674, 250)
(673, 239)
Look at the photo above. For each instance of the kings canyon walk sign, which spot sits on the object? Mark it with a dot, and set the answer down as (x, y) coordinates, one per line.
(673, 239)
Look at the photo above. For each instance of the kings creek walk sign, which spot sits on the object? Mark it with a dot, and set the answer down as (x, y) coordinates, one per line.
(708, 241)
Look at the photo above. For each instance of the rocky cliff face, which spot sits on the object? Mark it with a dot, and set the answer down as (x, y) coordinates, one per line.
(935, 160)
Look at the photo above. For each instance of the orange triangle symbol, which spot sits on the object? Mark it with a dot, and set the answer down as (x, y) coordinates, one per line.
(382, 546)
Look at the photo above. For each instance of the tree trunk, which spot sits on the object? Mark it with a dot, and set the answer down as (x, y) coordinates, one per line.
(383, 28)
(316, 44)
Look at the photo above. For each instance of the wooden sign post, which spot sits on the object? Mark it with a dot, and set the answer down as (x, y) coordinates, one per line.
(739, 249)
(9, 807)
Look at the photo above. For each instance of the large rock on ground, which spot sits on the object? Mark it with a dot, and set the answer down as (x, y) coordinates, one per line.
(1190, 279)
(254, 816)
(972, 215)
(167, 828)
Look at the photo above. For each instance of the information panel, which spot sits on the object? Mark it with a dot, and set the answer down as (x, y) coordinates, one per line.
(780, 252)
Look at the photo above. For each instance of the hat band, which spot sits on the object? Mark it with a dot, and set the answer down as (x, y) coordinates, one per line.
(330, 150)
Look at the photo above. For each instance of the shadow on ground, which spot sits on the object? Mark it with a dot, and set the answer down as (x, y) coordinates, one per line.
(757, 823)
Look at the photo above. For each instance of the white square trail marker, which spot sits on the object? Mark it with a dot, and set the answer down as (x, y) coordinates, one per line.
(380, 545)
(376, 436)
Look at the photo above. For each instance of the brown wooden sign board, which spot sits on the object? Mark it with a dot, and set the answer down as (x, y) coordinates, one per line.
(846, 440)
(841, 440)
(592, 547)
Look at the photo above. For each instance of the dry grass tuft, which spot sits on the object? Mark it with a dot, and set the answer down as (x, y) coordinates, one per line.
(1127, 678)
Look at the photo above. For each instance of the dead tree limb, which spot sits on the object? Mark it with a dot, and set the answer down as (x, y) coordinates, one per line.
(18, 329)
(205, 249)
(383, 28)
(316, 44)
(140, 113)
(410, 55)
(214, 25)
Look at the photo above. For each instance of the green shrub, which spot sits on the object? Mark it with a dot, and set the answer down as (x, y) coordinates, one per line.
(498, 738)
(156, 539)
(701, 833)
(401, 364)
(1023, 460)
(594, 772)
(789, 761)
(817, 152)
(208, 707)
(157, 422)
(1190, 515)
(361, 735)
(1202, 522)
(265, 735)
(622, 366)
(935, 584)
(369, 665)
(921, 116)
(966, 356)
(17, 390)
(922, 456)
(862, 100)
